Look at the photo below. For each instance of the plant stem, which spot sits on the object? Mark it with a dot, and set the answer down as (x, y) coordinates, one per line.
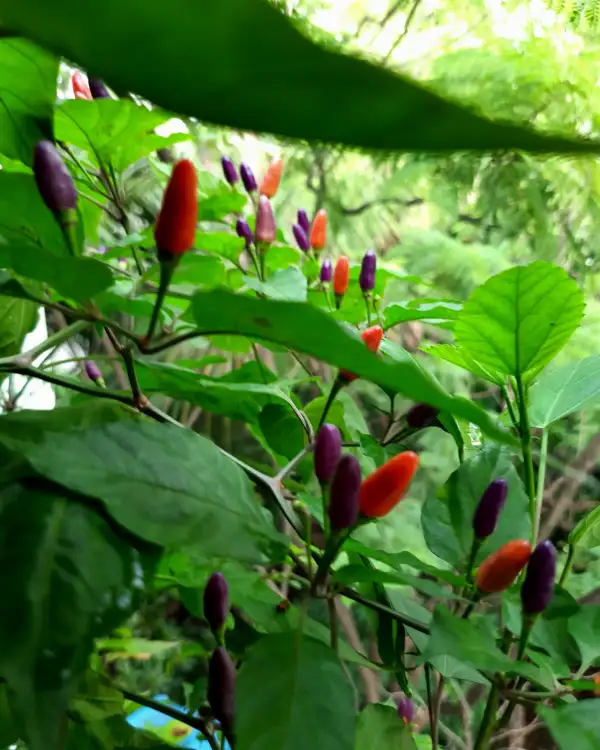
(333, 624)
(525, 435)
(486, 728)
(435, 719)
(166, 274)
(568, 565)
(377, 607)
(52, 342)
(368, 306)
(509, 406)
(472, 556)
(541, 478)
(335, 389)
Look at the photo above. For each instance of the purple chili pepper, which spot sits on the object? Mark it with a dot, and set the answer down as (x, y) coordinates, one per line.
(304, 221)
(248, 178)
(420, 416)
(265, 221)
(301, 238)
(538, 586)
(92, 371)
(242, 229)
(368, 268)
(328, 451)
(487, 512)
(344, 497)
(98, 89)
(221, 687)
(53, 179)
(326, 271)
(406, 710)
(229, 170)
(216, 601)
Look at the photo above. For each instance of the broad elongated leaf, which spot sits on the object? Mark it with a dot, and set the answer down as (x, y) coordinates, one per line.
(564, 390)
(282, 430)
(380, 728)
(433, 311)
(575, 726)
(584, 626)
(517, 321)
(287, 284)
(167, 485)
(374, 108)
(17, 318)
(587, 532)
(306, 679)
(311, 331)
(27, 93)
(461, 358)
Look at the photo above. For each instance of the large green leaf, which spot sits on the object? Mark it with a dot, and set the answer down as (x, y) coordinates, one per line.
(165, 484)
(586, 533)
(306, 329)
(306, 701)
(380, 728)
(575, 726)
(434, 311)
(584, 626)
(188, 57)
(27, 94)
(68, 578)
(517, 321)
(17, 318)
(563, 390)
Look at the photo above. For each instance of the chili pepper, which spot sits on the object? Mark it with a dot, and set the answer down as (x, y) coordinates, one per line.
(301, 238)
(98, 90)
(328, 449)
(221, 688)
(420, 416)
(93, 372)
(487, 512)
(406, 710)
(242, 229)
(372, 338)
(229, 170)
(53, 179)
(175, 228)
(326, 271)
(499, 571)
(538, 586)
(341, 277)
(248, 178)
(304, 221)
(318, 231)
(386, 486)
(344, 497)
(216, 602)
(368, 268)
(81, 88)
(272, 178)
(265, 221)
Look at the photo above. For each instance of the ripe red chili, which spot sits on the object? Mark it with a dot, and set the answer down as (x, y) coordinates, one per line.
(498, 571)
(176, 223)
(386, 486)
(318, 232)
(372, 337)
(80, 85)
(341, 276)
(272, 178)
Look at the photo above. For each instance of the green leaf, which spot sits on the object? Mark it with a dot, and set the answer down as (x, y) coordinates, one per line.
(172, 47)
(287, 284)
(311, 331)
(584, 626)
(282, 430)
(27, 94)
(380, 728)
(17, 318)
(68, 578)
(350, 574)
(228, 245)
(167, 485)
(433, 311)
(563, 390)
(460, 358)
(587, 532)
(219, 203)
(519, 319)
(306, 679)
(9, 733)
(194, 270)
(448, 519)
(575, 726)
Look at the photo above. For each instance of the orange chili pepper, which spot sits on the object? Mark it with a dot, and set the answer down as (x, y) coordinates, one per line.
(175, 228)
(80, 85)
(318, 231)
(386, 486)
(372, 337)
(341, 276)
(272, 178)
(498, 571)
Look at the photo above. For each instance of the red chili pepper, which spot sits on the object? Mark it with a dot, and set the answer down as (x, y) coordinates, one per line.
(272, 178)
(372, 337)
(498, 571)
(176, 223)
(341, 276)
(80, 85)
(318, 232)
(385, 487)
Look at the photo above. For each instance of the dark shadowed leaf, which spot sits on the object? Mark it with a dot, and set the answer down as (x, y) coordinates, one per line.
(282, 430)
(17, 318)
(575, 726)
(380, 728)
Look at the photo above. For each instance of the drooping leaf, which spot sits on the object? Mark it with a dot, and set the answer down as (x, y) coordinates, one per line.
(306, 679)
(518, 320)
(380, 728)
(575, 726)
(586, 533)
(563, 390)
(433, 311)
(286, 284)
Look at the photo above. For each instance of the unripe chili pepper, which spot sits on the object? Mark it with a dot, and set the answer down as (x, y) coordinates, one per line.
(386, 486)
(538, 586)
(372, 338)
(221, 688)
(53, 179)
(304, 221)
(216, 602)
(406, 710)
(265, 221)
(242, 229)
(500, 570)
(301, 238)
(328, 450)
(326, 271)
(420, 416)
(175, 228)
(81, 88)
(487, 512)
(229, 170)
(318, 231)
(368, 268)
(272, 178)
(341, 278)
(344, 496)
(248, 178)
(98, 90)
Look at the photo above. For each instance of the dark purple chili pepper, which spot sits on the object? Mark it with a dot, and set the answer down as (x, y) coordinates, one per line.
(229, 170)
(53, 179)
(248, 178)
(406, 710)
(98, 89)
(538, 586)
(242, 229)
(304, 221)
(221, 688)
(216, 601)
(368, 268)
(487, 512)
(92, 370)
(301, 238)
(326, 271)
(421, 415)
(266, 229)
(344, 497)
(328, 451)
